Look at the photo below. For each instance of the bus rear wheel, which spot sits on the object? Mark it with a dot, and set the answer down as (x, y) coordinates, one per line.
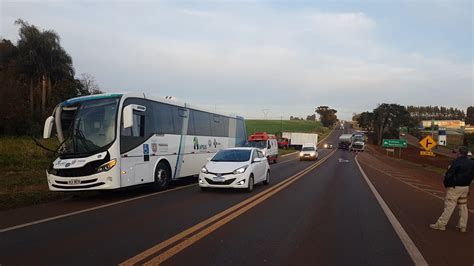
(162, 176)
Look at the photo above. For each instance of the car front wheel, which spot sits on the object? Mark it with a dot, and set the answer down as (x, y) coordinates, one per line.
(267, 179)
(250, 185)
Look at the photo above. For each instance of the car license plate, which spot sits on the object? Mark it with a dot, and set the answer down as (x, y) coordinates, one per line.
(74, 182)
(219, 179)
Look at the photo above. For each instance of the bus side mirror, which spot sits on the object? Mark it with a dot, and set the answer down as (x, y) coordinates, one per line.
(128, 116)
(48, 127)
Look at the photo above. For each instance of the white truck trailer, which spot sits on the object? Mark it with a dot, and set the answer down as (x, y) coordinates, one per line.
(297, 139)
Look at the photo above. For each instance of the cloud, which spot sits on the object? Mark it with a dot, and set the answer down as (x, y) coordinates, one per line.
(244, 59)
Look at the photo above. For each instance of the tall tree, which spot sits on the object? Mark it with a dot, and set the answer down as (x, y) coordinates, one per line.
(327, 116)
(35, 75)
(470, 115)
(366, 120)
(388, 118)
(89, 85)
(43, 61)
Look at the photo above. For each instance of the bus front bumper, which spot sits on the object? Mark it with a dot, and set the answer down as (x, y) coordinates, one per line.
(99, 181)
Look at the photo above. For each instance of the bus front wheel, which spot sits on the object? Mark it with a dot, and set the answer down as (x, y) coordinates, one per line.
(162, 176)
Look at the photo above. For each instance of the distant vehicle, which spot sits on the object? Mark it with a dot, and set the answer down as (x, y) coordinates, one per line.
(327, 145)
(297, 139)
(265, 142)
(345, 141)
(110, 141)
(283, 143)
(235, 168)
(309, 151)
(357, 142)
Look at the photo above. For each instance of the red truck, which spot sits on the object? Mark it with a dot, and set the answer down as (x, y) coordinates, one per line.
(283, 143)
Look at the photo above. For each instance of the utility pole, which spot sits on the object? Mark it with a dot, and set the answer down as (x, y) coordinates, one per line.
(281, 125)
(265, 113)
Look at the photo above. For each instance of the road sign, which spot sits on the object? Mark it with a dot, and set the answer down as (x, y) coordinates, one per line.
(403, 130)
(428, 143)
(394, 143)
(427, 153)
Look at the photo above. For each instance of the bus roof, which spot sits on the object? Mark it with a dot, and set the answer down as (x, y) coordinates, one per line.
(152, 97)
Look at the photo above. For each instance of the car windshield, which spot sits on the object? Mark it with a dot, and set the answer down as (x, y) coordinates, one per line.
(92, 127)
(261, 144)
(308, 149)
(232, 156)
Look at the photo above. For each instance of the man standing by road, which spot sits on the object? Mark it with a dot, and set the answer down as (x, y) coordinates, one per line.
(457, 181)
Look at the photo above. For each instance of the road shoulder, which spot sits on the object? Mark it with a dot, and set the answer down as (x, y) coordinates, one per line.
(415, 197)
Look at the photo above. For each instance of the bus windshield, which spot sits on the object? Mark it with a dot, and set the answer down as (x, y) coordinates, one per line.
(92, 127)
(261, 144)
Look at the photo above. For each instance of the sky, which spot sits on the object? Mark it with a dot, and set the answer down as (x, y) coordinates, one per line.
(278, 58)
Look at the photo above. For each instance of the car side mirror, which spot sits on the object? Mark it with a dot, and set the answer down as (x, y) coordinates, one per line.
(256, 160)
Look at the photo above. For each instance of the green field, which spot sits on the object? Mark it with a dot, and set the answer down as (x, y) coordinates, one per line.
(277, 126)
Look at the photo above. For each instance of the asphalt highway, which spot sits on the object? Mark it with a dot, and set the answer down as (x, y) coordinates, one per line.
(318, 212)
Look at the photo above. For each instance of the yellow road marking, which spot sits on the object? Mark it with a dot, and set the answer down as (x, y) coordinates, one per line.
(234, 212)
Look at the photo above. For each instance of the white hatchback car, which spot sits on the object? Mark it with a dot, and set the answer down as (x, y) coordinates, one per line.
(235, 168)
(309, 151)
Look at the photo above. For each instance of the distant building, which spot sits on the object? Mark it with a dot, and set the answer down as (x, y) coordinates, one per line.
(444, 123)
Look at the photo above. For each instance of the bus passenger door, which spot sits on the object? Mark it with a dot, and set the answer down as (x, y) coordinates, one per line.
(134, 149)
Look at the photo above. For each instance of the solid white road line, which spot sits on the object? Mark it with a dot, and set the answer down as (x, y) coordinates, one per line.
(415, 187)
(90, 209)
(411, 248)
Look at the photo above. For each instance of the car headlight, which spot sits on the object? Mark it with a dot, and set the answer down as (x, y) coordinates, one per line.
(325, 145)
(204, 170)
(240, 170)
(107, 166)
(301, 154)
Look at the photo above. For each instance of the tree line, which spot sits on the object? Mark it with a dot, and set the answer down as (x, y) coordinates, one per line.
(419, 113)
(385, 120)
(36, 74)
(327, 116)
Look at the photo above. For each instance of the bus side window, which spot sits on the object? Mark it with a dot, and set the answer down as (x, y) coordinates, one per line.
(164, 122)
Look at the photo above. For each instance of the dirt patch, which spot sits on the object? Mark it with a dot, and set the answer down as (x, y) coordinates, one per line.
(412, 154)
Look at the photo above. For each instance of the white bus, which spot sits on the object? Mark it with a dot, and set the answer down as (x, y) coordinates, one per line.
(110, 141)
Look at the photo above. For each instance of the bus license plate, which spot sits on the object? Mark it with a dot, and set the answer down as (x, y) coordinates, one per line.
(74, 182)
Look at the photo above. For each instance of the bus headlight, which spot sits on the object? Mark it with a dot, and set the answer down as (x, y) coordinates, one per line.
(107, 166)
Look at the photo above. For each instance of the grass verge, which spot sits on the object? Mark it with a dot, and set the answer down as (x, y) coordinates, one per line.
(23, 177)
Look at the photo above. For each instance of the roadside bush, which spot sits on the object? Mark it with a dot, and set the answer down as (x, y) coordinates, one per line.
(469, 141)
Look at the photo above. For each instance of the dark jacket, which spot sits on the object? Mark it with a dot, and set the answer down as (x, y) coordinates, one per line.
(460, 174)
